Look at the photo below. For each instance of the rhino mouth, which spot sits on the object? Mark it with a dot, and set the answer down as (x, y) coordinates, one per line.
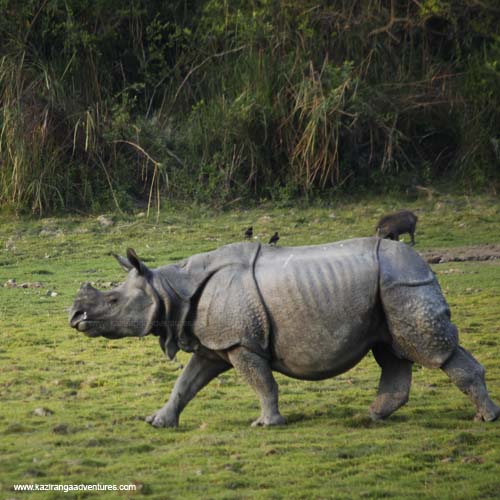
(79, 321)
(91, 327)
(86, 327)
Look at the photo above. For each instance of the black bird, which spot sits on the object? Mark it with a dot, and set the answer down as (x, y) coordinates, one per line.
(249, 232)
(274, 238)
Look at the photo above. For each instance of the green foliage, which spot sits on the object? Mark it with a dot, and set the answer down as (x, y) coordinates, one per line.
(216, 100)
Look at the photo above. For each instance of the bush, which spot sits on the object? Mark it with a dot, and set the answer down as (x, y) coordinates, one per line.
(103, 103)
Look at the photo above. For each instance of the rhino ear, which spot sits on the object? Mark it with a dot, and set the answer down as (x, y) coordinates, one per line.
(142, 269)
(126, 265)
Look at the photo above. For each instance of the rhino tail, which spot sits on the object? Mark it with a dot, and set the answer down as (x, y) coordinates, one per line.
(416, 311)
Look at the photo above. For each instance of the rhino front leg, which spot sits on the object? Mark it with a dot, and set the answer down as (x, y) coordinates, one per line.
(468, 375)
(394, 385)
(198, 372)
(257, 372)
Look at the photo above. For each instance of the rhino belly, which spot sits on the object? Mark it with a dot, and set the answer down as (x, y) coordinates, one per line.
(324, 313)
(319, 354)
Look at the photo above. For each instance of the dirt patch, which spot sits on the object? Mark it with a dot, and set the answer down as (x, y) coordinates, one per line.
(462, 254)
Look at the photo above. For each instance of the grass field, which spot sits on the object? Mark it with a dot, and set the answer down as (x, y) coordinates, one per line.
(98, 391)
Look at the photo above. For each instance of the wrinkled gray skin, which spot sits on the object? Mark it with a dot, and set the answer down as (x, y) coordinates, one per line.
(308, 312)
(393, 225)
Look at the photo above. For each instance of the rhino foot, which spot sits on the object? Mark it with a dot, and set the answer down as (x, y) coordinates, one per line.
(489, 415)
(375, 417)
(160, 420)
(269, 420)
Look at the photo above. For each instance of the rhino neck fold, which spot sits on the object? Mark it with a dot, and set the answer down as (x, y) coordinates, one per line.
(172, 317)
(181, 285)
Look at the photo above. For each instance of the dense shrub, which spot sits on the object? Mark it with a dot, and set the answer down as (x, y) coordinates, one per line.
(103, 102)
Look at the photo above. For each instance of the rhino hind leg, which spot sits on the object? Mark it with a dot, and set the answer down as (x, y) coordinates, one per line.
(198, 372)
(256, 371)
(394, 385)
(468, 376)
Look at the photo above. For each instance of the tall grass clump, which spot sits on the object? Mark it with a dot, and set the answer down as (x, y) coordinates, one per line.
(29, 151)
(69, 135)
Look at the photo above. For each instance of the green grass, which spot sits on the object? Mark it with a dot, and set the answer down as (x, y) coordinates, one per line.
(100, 390)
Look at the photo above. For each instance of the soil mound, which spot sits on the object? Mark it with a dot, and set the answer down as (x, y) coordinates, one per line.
(462, 254)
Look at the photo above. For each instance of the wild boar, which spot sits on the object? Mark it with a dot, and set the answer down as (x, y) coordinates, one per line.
(391, 226)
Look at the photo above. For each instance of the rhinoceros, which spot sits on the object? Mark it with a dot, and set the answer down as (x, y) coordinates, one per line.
(308, 312)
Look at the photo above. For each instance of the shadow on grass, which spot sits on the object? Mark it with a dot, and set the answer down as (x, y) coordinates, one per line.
(348, 417)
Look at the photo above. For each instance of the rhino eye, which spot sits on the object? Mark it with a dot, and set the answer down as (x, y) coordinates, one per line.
(112, 300)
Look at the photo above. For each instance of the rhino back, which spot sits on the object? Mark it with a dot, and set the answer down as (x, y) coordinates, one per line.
(322, 305)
